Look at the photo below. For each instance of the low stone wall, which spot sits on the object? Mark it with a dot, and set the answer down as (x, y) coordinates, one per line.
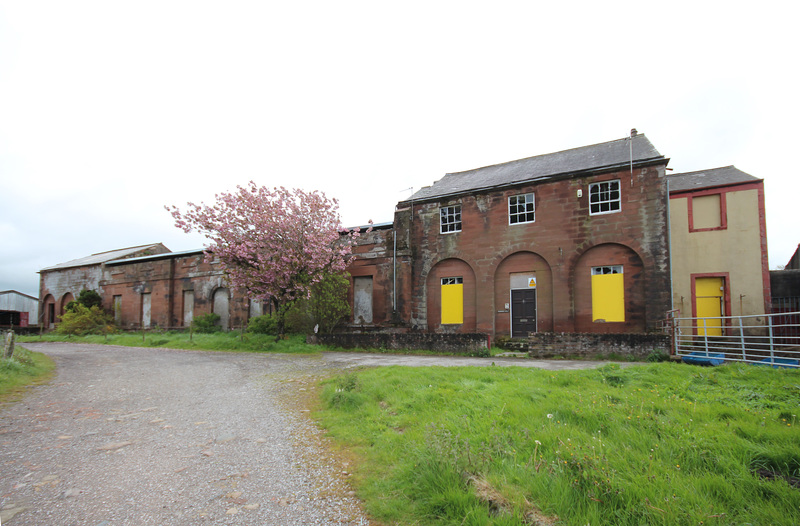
(591, 345)
(464, 344)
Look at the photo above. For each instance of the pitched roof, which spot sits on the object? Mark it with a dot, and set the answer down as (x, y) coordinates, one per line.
(577, 161)
(723, 176)
(102, 257)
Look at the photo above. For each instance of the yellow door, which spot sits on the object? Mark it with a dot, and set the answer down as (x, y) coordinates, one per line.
(709, 298)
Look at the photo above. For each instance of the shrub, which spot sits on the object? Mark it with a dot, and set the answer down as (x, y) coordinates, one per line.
(207, 323)
(90, 298)
(82, 320)
(265, 324)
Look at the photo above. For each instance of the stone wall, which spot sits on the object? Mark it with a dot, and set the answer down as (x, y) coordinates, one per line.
(583, 345)
(464, 344)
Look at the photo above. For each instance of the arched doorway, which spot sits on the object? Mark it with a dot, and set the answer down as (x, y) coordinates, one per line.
(523, 294)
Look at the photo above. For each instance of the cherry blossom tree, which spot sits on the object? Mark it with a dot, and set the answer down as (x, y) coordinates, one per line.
(273, 243)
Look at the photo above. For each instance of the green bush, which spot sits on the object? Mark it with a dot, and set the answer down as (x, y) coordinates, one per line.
(87, 298)
(82, 320)
(206, 323)
(265, 324)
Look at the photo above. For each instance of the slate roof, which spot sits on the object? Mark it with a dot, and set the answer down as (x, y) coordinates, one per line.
(103, 257)
(723, 176)
(577, 161)
(154, 257)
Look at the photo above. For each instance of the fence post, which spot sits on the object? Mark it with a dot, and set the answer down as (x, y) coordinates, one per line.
(741, 339)
(771, 342)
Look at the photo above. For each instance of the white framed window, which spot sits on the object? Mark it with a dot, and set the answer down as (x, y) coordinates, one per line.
(450, 219)
(604, 198)
(452, 281)
(521, 209)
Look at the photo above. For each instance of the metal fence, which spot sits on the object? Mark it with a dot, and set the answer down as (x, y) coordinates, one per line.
(770, 339)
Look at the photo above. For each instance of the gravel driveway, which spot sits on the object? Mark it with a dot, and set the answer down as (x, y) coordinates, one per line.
(154, 436)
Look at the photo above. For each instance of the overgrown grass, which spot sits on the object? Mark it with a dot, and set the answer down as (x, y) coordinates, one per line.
(656, 444)
(218, 341)
(23, 369)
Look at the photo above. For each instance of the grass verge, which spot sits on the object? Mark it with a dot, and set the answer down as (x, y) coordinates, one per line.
(656, 444)
(23, 369)
(218, 341)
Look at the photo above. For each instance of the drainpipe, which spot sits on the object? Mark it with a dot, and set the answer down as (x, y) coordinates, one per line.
(394, 272)
(669, 247)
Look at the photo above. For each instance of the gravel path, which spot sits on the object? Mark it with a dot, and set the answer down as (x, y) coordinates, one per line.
(154, 436)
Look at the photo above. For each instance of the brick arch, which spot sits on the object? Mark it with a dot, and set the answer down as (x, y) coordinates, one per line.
(48, 311)
(634, 288)
(451, 267)
(523, 262)
(66, 298)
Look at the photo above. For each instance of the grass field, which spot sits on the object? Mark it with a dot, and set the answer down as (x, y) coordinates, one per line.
(656, 444)
(218, 341)
(23, 369)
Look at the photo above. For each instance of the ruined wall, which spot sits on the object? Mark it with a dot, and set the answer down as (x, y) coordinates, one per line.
(167, 280)
(558, 248)
(373, 261)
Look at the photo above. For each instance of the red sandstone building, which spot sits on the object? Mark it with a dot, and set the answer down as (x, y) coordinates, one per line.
(573, 241)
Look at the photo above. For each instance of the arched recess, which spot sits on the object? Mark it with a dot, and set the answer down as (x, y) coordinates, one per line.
(49, 311)
(65, 299)
(458, 275)
(222, 307)
(513, 292)
(592, 294)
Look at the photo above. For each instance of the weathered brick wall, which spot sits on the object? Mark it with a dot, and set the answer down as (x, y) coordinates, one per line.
(466, 344)
(166, 279)
(373, 258)
(584, 345)
(559, 247)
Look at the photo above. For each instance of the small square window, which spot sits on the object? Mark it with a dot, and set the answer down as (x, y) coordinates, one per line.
(452, 281)
(521, 209)
(450, 219)
(604, 198)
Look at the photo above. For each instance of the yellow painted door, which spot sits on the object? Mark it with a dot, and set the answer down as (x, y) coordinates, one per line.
(453, 304)
(709, 297)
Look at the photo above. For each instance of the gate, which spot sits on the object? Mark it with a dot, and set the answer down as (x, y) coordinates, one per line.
(769, 339)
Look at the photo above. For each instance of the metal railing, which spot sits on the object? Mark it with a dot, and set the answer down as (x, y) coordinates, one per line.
(768, 339)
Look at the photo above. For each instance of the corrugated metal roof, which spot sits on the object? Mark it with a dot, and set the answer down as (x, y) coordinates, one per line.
(725, 175)
(577, 161)
(102, 257)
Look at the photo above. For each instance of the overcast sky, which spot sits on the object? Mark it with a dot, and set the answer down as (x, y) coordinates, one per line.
(110, 110)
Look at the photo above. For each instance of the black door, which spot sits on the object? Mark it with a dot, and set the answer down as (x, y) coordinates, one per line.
(523, 312)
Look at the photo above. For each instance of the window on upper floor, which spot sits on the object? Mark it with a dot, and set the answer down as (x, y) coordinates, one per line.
(521, 209)
(450, 219)
(707, 212)
(604, 198)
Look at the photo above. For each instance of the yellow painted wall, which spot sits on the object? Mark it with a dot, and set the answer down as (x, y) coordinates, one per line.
(453, 303)
(608, 297)
(736, 250)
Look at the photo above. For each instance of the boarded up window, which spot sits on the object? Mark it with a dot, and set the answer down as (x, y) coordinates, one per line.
(188, 307)
(146, 310)
(362, 299)
(608, 294)
(117, 309)
(707, 211)
(221, 307)
(452, 300)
